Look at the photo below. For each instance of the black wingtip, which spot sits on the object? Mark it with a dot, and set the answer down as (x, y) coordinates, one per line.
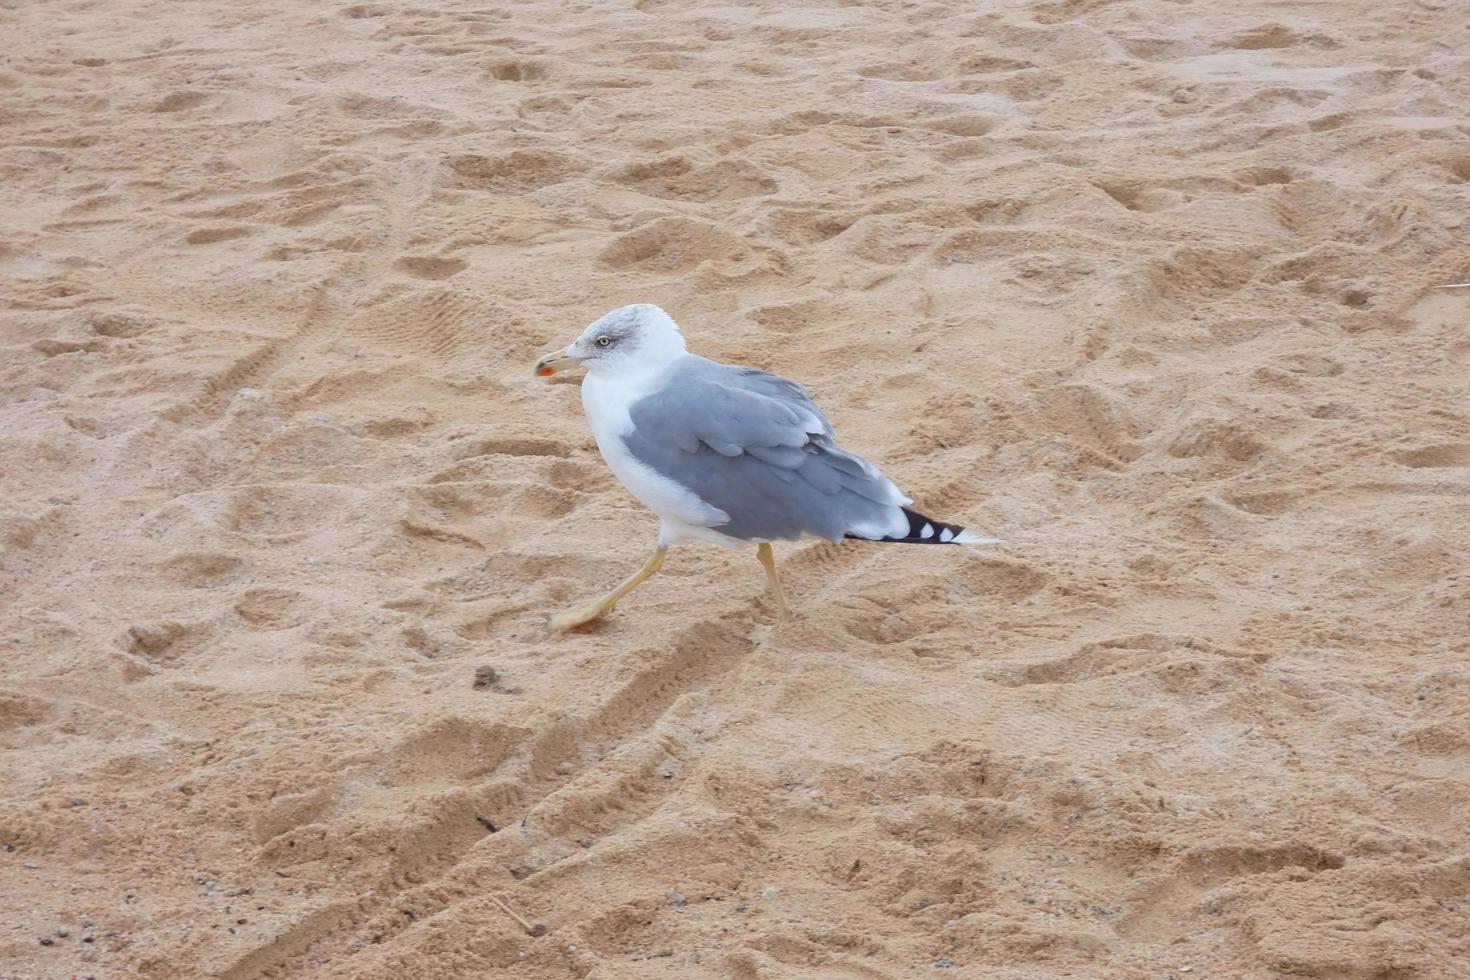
(923, 530)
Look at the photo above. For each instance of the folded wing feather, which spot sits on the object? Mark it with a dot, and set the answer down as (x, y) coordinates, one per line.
(758, 448)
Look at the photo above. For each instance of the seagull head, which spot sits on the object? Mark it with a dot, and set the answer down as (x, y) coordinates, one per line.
(628, 339)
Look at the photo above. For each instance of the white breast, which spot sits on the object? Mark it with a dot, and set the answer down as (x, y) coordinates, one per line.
(607, 401)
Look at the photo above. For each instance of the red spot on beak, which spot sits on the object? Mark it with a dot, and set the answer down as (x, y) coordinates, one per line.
(546, 372)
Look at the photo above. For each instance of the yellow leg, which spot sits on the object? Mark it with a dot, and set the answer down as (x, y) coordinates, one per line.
(579, 617)
(768, 561)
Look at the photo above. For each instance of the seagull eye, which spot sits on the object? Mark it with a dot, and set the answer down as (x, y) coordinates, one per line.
(604, 341)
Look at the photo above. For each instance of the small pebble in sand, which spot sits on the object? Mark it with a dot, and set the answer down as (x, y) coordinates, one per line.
(564, 769)
(770, 892)
(48, 941)
(942, 964)
(677, 899)
(485, 675)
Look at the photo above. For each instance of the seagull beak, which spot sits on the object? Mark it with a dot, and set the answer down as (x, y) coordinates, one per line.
(555, 361)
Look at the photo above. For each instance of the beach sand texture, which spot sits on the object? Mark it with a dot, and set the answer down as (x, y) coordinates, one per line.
(1147, 288)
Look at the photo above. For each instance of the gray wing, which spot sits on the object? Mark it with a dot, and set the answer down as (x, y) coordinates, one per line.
(757, 447)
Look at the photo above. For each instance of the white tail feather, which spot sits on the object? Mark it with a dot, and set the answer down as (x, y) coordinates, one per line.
(974, 540)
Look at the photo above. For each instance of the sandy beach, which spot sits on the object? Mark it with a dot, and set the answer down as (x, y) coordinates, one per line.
(1149, 289)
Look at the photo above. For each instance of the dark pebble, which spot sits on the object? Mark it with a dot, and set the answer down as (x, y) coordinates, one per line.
(485, 676)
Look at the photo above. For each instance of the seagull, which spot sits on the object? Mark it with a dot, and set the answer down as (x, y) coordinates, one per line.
(721, 453)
